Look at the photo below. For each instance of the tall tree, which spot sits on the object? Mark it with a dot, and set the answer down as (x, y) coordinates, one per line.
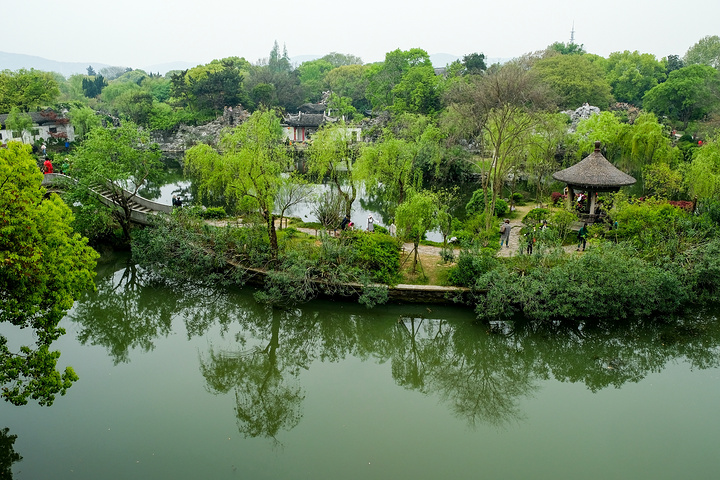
(350, 81)
(702, 177)
(575, 79)
(333, 153)
(387, 167)
(474, 63)
(570, 48)
(210, 87)
(631, 74)
(83, 120)
(406, 80)
(689, 93)
(19, 123)
(705, 52)
(44, 267)
(498, 112)
(415, 217)
(248, 166)
(312, 78)
(27, 90)
(117, 160)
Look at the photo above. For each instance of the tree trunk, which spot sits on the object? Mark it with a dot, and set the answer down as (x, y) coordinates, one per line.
(272, 234)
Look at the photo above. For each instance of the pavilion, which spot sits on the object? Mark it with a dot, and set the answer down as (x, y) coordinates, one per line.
(592, 175)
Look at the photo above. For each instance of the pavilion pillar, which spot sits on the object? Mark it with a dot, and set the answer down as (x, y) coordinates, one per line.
(592, 202)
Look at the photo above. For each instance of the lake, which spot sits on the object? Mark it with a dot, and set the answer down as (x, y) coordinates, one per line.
(190, 383)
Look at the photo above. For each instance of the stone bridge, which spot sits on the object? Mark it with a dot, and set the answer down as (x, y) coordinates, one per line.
(140, 208)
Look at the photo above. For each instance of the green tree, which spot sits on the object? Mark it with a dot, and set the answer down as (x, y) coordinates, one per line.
(689, 93)
(474, 63)
(312, 78)
(248, 166)
(27, 89)
(631, 74)
(44, 267)
(83, 120)
(387, 168)
(136, 106)
(607, 129)
(415, 217)
(672, 63)
(333, 153)
(575, 79)
(19, 123)
(210, 87)
(116, 160)
(350, 81)
(341, 59)
(549, 134)
(702, 176)
(661, 181)
(569, 48)
(705, 52)
(405, 81)
(499, 112)
(93, 86)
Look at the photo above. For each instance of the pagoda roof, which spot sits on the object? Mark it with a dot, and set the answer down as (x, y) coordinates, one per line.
(594, 172)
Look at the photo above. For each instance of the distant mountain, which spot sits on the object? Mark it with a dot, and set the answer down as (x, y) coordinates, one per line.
(16, 61)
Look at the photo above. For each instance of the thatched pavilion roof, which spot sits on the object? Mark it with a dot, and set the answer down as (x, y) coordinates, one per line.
(594, 172)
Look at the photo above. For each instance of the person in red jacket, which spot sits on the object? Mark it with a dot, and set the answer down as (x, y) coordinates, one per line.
(48, 166)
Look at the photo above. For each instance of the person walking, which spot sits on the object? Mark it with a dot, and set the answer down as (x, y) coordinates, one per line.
(505, 233)
(582, 237)
(48, 166)
(530, 240)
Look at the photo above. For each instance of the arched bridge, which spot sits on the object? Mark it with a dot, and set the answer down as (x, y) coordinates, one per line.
(140, 208)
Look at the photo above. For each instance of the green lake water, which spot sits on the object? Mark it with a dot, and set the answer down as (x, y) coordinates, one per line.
(191, 383)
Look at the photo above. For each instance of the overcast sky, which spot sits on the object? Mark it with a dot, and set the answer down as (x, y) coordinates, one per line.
(139, 33)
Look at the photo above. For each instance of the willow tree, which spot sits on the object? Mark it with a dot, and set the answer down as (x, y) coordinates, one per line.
(247, 167)
(333, 153)
(387, 168)
(497, 112)
(415, 217)
(702, 176)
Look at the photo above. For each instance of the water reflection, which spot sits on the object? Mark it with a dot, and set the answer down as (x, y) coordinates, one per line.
(8, 455)
(481, 374)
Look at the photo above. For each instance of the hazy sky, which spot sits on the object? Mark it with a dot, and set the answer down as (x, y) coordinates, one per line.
(139, 33)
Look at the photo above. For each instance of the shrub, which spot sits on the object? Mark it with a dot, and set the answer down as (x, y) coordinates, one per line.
(476, 204)
(471, 264)
(518, 198)
(377, 253)
(212, 213)
(557, 197)
(536, 215)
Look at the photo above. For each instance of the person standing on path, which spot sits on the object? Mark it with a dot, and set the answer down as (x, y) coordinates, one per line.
(371, 224)
(582, 237)
(530, 240)
(505, 233)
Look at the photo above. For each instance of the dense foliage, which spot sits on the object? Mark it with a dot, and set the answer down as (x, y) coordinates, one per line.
(657, 261)
(44, 266)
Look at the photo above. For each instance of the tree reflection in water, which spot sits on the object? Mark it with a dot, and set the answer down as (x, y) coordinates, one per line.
(8, 456)
(481, 373)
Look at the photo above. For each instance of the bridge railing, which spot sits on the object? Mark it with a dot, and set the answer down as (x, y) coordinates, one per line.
(57, 179)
